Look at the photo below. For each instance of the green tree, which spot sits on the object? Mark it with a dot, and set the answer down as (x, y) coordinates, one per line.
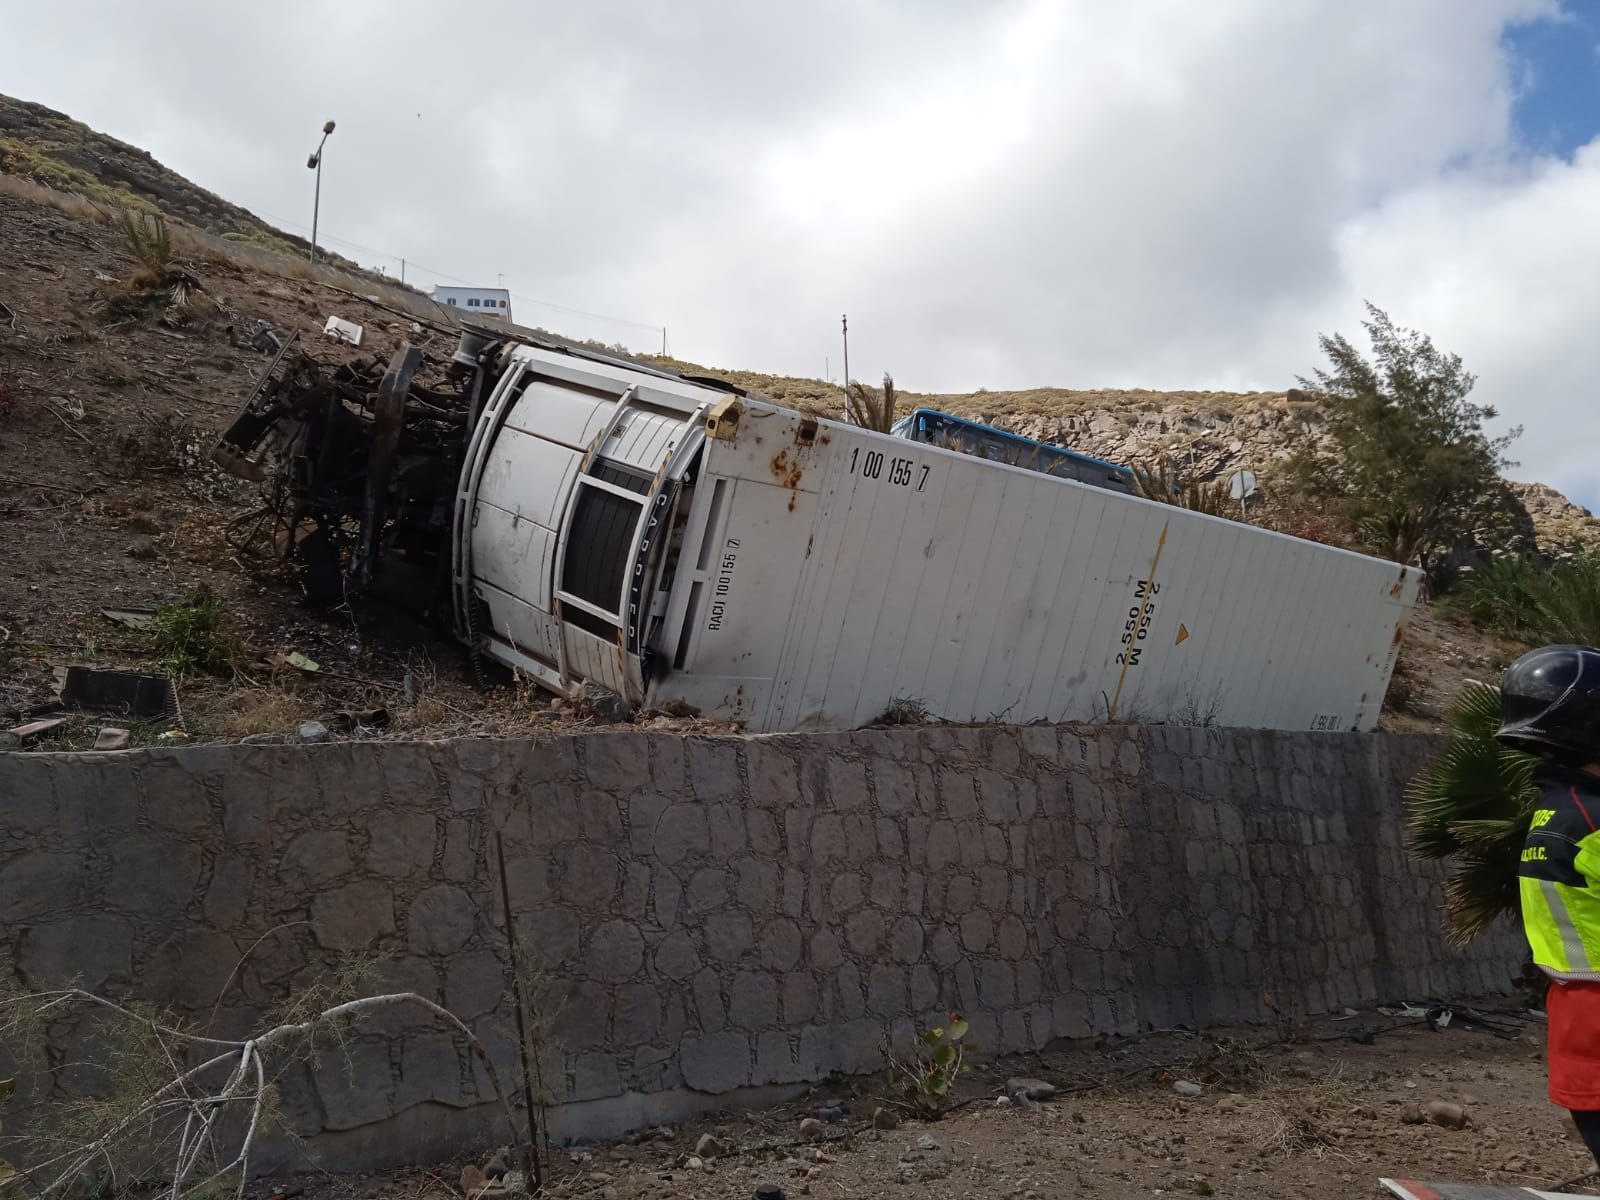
(1472, 805)
(1407, 463)
(870, 409)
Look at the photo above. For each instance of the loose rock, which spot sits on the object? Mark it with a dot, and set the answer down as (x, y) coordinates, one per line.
(1185, 1087)
(812, 1128)
(1447, 1115)
(313, 732)
(111, 738)
(926, 1144)
(709, 1147)
(768, 1191)
(1024, 1088)
(883, 1118)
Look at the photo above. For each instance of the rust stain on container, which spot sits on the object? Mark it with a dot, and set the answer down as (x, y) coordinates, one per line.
(785, 470)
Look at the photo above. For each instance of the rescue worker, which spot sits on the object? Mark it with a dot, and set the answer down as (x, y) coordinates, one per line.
(1550, 707)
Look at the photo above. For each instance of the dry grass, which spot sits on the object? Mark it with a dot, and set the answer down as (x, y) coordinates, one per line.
(258, 709)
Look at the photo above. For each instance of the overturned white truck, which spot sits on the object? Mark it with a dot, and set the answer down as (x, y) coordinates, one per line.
(584, 518)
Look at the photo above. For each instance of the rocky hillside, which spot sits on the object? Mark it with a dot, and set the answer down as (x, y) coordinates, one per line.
(50, 148)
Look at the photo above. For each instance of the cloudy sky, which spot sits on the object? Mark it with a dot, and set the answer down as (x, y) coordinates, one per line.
(1011, 193)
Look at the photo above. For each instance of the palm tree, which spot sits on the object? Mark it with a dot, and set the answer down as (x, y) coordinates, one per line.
(870, 409)
(1473, 805)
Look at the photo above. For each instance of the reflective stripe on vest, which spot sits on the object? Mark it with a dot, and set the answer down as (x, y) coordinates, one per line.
(1555, 938)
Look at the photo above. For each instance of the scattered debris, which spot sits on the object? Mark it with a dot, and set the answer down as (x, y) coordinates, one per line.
(131, 618)
(831, 1113)
(812, 1128)
(173, 735)
(356, 720)
(265, 339)
(1185, 1087)
(1024, 1088)
(34, 730)
(131, 693)
(111, 738)
(301, 663)
(344, 331)
(313, 733)
(601, 704)
(926, 1145)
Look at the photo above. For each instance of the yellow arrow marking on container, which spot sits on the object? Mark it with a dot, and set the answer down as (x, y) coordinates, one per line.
(1144, 610)
(1183, 634)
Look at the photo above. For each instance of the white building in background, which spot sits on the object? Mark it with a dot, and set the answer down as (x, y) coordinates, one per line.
(479, 302)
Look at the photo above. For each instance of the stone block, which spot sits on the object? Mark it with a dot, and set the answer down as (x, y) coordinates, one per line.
(891, 843)
(95, 801)
(715, 1062)
(943, 947)
(459, 863)
(958, 792)
(845, 893)
(1012, 938)
(586, 876)
(584, 1019)
(758, 885)
(676, 956)
(851, 990)
(638, 1016)
(763, 834)
(846, 786)
(1030, 983)
(149, 875)
(433, 1067)
(228, 894)
(711, 1009)
(314, 859)
(616, 952)
(618, 763)
(924, 988)
(977, 931)
(725, 826)
(860, 837)
(714, 769)
(994, 844)
(778, 1059)
(666, 896)
(30, 803)
(997, 985)
(400, 844)
(86, 950)
(596, 1076)
(864, 931)
(999, 798)
(752, 1001)
(800, 996)
(644, 814)
(174, 799)
(774, 777)
(888, 994)
(681, 833)
(354, 1087)
(709, 889)
(906, 940)
(476, 981)
(827, 840)
(781, 945)
(944, 847)
(189, 970)
(729, 935)
(354, 916)
(442, 920)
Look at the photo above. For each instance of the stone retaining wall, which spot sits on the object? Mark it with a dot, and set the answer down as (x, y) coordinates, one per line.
(714, 914)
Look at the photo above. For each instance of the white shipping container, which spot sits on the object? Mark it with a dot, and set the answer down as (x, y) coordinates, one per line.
(669, 542)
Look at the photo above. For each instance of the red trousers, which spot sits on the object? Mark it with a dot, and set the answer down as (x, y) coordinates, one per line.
(1573, 1044)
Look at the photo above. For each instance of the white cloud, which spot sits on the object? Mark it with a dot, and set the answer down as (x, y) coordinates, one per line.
(1166, 194)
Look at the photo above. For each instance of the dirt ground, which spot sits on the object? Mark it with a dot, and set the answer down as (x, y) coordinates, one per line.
(1316, 1118)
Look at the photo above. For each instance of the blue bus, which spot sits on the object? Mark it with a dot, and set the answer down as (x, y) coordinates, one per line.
(955, 433)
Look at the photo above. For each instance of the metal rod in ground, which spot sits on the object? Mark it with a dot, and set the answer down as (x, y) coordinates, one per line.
(532, 1176)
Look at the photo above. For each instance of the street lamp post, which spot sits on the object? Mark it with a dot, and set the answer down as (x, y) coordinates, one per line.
(315, 163)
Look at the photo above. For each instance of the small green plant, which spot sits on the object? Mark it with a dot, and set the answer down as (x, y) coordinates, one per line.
(1521, 599)
(924, 1084)
(195, 635)
(1473, 804)
(149, 241)
(1163, 485)
(870, 409)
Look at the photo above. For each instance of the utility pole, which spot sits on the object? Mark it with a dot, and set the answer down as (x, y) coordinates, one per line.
(844, 326)
(402, 270)
(315, 163)
(663, 341)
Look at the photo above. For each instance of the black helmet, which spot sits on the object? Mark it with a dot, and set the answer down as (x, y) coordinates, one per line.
(1550, 703)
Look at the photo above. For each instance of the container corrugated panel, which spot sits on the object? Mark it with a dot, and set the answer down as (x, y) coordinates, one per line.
(892, 571)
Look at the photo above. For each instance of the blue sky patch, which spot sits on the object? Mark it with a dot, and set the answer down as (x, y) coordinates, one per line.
(1556, 65)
